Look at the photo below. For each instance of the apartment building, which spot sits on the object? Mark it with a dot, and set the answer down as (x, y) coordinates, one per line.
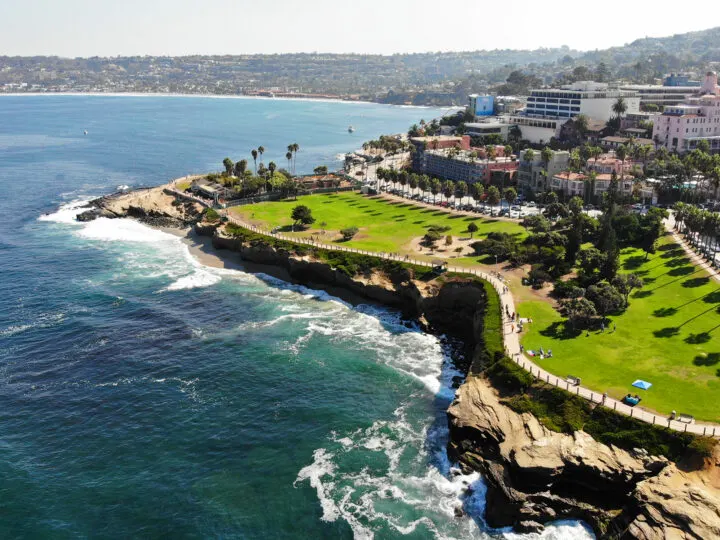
(533, 175)
(681, 127)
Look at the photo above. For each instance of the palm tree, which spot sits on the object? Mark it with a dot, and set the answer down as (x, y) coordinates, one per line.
(490, 154)
(529, 154)
(228, 164)
(619, 108)
(448, 189)
(477, 191)
(288, 156)
(293, 149)
(435, 187)
(413, 182)
(461, 189)
(261, 151)
(271, 168)
(424, 183)
(254, 154)
(508, 150)
(493, 197)
(403, 180)
(621, 153)
(546, 155)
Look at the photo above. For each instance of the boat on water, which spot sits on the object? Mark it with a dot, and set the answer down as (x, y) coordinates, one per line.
(85, 132)
(351, 129)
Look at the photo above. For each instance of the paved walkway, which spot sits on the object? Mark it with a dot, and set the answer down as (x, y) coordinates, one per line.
(695, 258)
(511, 337)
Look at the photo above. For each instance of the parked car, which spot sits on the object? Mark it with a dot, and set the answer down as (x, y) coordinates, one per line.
(531, 204)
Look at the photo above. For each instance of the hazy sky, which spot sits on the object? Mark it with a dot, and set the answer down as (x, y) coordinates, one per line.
(179, 27)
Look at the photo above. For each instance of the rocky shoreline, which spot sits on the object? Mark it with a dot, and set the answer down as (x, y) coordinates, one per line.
(534, 476)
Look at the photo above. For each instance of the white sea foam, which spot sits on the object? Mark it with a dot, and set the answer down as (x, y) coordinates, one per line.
(123, 230)
(67, 212)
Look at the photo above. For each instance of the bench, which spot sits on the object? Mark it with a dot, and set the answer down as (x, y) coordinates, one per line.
(685, 418)
(575, 381)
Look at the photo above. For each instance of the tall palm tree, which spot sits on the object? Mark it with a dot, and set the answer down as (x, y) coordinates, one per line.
(271, 168)
(413, 182)
(619, 108)
(261, 151)
(254, 154)
(435, 187)
(288, 156)
(546, 155)
(622, 153)
(294, 148)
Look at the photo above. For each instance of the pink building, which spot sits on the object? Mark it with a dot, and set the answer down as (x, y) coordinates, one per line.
(681, 127)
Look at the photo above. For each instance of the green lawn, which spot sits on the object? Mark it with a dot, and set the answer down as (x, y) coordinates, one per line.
(384, 225)
(669, 336)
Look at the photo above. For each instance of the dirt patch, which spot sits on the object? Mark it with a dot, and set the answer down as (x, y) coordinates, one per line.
(444, 251)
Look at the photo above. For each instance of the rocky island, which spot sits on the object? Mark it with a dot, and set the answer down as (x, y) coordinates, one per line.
(534, 475)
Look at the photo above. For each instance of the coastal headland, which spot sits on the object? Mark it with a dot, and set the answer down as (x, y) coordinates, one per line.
(534, 475)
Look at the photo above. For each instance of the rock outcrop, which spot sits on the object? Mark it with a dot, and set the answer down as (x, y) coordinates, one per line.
(535, 475)
(151, 206)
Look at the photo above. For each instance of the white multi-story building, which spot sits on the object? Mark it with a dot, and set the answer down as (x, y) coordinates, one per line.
(548, 109)
(679, 128)
(594, 100)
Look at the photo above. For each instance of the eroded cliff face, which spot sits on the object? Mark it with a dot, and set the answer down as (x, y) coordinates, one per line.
(535, 475)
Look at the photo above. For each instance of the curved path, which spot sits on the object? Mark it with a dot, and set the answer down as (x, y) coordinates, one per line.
(511, 338)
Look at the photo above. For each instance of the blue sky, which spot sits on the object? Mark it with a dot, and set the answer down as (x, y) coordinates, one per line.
(179, 27)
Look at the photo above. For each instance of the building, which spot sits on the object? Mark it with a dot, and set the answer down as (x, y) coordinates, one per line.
(439, 142)
(481, 106)
(612, 142)
(464, 166)
(662, 96)
(548, 109)
(680, 79)
(533, 175)
(572, 184)
(535, 130)
(594, 100)
(680, 127)
(491, 126)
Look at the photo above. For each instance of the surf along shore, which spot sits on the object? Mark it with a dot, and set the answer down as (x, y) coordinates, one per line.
(650, 483)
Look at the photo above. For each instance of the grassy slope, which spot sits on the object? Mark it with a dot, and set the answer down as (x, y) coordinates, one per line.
(384, 226)
(670, 322)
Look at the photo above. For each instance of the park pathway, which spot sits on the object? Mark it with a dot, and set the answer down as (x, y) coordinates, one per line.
(511, 336)
(696, 259)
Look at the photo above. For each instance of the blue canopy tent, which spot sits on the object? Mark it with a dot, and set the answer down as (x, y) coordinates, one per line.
(643, 385)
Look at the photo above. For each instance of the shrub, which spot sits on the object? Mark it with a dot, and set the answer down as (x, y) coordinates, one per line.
(507, 374)
(211, 215)
(703, 446)
(349, 232)
(448, 240)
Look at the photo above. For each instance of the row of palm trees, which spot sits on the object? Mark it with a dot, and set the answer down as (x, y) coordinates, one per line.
(700, 227)
(256, 153)
(447, 188)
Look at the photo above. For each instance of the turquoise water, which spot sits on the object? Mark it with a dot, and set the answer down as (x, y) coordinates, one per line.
(144, 395)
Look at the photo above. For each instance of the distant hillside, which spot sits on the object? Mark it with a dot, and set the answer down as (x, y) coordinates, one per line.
(649, 57)
(421, 79)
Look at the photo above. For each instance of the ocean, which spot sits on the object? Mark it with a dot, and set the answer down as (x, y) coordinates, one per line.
(145, 395)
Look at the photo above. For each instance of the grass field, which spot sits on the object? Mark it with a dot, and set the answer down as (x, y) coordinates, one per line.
(669, 336)
(384, 225)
